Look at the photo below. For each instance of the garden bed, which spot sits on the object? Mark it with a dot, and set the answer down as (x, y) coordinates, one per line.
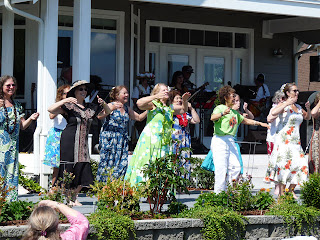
(258, 227)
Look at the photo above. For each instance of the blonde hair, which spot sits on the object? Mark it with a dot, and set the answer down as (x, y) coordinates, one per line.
(43, 223)
(287, 88)
(156, 90)
(316, 100)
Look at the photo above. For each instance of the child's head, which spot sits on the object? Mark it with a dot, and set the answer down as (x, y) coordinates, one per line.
(43, 223)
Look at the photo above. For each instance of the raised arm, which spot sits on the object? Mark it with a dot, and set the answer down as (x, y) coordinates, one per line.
(307, 114)
(195, 117)
(107, 108)
(181, 109)
(145, 103)
(281, 106)
(247, 111)
(56, 107)
(217, 116)
(26, 123)
(136, 116)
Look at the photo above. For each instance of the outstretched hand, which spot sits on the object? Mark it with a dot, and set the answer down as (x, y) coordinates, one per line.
(227, 111)
(186, 96)
(307, 105)
(34, 116)
(70, 100)
(245, 106)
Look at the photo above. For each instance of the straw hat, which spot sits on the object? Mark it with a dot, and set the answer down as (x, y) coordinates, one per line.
(77, 84)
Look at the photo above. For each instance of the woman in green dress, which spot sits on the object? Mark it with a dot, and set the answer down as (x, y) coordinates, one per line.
(11, 120)
(154, 141)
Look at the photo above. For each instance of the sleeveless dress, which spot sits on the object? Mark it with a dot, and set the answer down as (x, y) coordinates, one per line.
(74, 151)
(153, 143)
(113, 145)
(52, 150)
(9, 149)
(289, 164)
(314, 153)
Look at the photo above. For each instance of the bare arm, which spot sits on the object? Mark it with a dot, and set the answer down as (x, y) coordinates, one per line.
(254, 123)
(56, 107)
(306, 114)
(136, 116)
(145, 103)
(52, 116)
(108, 108)
(64, 209)
(281, 106)
(195, 117)
(217, 116)
(247, 111)
(26, 123)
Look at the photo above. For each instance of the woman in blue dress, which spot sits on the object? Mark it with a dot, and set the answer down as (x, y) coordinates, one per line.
(113, 142)
(11, 121)
(52, 149)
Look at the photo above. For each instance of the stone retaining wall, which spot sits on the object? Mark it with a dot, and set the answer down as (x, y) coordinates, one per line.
(258, 227)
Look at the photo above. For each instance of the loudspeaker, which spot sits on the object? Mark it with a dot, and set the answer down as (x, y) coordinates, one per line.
(314, 68)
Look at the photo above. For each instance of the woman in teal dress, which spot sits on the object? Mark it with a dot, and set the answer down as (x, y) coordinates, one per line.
(11, 120)
(154, 141)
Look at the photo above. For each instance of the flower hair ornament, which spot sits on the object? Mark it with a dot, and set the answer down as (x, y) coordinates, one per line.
(282, 87)
(43, 233)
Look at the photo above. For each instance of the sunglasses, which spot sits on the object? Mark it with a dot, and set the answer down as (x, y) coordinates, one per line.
(83, 89)
(295, 90)
(10, 85)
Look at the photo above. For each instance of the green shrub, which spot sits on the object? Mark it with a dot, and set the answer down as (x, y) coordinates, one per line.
(17, 210)
(94, 167)
(28, 183)
(310, 191)
(220, 223)
(212, 199)
(176, 207)
(294, 215)
(111, 225)
(200, 178)
(263, 199)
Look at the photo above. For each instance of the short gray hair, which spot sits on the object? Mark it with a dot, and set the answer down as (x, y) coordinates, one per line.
(278, 95)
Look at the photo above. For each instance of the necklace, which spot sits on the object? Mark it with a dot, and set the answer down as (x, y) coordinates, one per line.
(7, 118)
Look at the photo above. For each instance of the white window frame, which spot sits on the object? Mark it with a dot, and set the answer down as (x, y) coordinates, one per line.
(153, 47)
(119, 16)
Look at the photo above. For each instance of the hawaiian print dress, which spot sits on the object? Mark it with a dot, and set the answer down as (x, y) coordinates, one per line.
(9, 147)
(181, 138)
(153, 143)
(113, 145)
(289, 164)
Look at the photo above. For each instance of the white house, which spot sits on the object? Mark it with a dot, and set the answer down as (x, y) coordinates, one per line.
(224, 40)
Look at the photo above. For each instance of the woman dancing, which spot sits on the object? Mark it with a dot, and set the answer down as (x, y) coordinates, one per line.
(113, 142)
(154, 141)
(290, 165)
(181, 133)
(224, 150)
(74, 151)
(52, 150)
(11, 121)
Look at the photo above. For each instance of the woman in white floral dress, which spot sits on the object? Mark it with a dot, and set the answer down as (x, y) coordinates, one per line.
(290, 166)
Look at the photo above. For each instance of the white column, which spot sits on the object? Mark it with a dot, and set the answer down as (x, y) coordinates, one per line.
(81, 40)
(7, 42)
(49, 13)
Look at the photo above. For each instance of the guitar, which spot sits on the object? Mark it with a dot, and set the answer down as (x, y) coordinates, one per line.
(197, 91)
(257, 107)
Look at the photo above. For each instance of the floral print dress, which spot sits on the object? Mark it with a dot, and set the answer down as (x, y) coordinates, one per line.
(153, 143)
(9, 148)
(288, 161)
(113, 145)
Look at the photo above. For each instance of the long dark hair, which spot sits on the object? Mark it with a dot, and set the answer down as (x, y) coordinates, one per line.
(175, 77)
(3, 80)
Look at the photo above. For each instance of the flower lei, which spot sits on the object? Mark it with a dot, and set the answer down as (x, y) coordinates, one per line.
(183, 121)
(7, 118)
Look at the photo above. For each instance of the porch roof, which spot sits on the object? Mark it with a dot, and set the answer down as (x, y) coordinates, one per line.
(18, 1)
(301, 8)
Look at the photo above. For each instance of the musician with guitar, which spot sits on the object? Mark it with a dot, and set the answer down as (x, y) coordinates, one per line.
(259, 103)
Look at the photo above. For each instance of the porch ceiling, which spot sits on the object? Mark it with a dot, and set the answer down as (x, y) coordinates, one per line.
(18, 1)
(302, 8)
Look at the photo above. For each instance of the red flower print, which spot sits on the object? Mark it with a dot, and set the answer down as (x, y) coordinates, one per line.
(287, 141)
(291, 129)
(279, 171)
(304, 170)
(293, 172)
(301, 155)
(287, 166)
(299, 142)
(233, 122)
(291, 111)
(289, 132)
